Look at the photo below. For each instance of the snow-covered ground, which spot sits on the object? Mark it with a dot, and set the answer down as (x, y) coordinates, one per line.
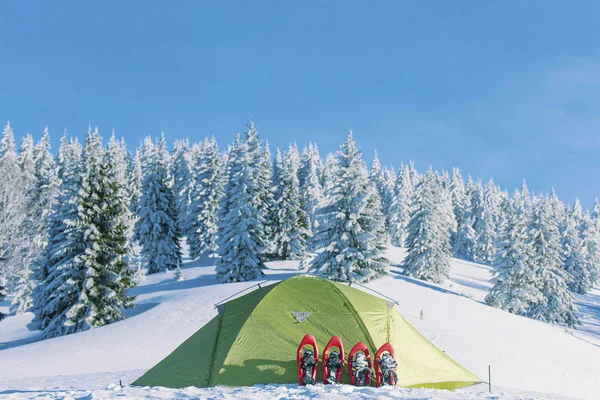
(529, 359)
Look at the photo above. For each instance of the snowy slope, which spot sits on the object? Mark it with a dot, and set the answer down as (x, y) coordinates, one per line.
(526, 356)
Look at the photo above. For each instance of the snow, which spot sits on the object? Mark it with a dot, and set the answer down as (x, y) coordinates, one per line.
(529, 359)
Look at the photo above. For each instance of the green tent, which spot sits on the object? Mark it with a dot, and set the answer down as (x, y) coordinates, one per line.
(254, 339)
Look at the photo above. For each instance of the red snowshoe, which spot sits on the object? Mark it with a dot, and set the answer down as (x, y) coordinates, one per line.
(359, 365)
(385, 366)
(333, 362)
(307, 360)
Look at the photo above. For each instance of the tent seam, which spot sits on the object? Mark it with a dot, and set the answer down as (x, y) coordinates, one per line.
(354, 312)
(210, 374)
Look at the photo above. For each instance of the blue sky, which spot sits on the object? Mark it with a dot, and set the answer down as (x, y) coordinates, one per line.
(501, 89)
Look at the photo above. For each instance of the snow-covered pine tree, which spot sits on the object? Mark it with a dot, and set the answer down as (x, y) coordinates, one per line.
(400, 209)
(26, 160)
(387, 198)
(207, 190)
(146, 153)
(329, 172)
(182, 180)
(573, 251)
(134, 182)
(376, 174)
(291, 220)
(40, 201)
(311, 190)
(484, 223)
(596, 215)
(349, 244)
(460, 201)
(514, 275)
(591, 250)
(558, 209)
(261, 168)
(86, 277)
(379, 178)
(463, 242)
(446, 206)
(156, 228)
(12, 212)
(57, 262)
(240, 225)
(555, 304)
(428, 239)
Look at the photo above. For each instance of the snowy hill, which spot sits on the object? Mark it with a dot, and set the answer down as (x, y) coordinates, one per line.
(526, 356)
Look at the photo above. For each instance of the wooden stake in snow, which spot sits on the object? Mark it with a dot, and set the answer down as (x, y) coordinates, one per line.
(490, 377)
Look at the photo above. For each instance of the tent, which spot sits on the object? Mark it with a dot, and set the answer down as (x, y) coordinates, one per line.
(254, 339)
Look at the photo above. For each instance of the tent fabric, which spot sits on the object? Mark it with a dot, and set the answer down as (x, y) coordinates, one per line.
(254, 340)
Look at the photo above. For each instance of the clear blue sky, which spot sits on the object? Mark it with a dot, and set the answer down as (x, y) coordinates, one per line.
(502, 89)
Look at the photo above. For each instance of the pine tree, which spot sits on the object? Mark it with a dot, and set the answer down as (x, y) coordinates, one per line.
(484, 222)
(40, 201)
(591, 250)
(573, 251)
(400, 209)
(134, 182)
(596, 215)
(156, 228)
(240, 225)
(261, 168)
(13, 207)
(387, 197)
(26, 161)
(514, 277)
(207, 190)
(428, 239)
(86, 278)
(349, 244)
(311, 190)
(182, 181)
(291, 220)
(555, 302)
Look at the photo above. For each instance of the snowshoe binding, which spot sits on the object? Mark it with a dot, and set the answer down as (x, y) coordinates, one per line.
(359, 365)
(306, 361)
(333, 362)
(385, 366)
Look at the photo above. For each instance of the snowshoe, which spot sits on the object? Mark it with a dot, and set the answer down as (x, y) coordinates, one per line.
(359, 365)
(307, 360)
(385, 366)
(333, 362)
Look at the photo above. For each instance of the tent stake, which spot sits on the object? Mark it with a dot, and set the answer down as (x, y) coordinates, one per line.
(490, 377)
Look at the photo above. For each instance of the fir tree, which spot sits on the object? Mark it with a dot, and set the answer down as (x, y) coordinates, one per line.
(514, 276)
(400, 209)
(484, 222)
(591, 250)
(555, 302)
(205, 196)
(428, 239)
(291, 219)
(26, 161)
(86, 280)
(261, 173)
(573, 252)
(240, 225)
(182, 181)
(156, 228)
(311, 190)
(349, 244)
(13, 207)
